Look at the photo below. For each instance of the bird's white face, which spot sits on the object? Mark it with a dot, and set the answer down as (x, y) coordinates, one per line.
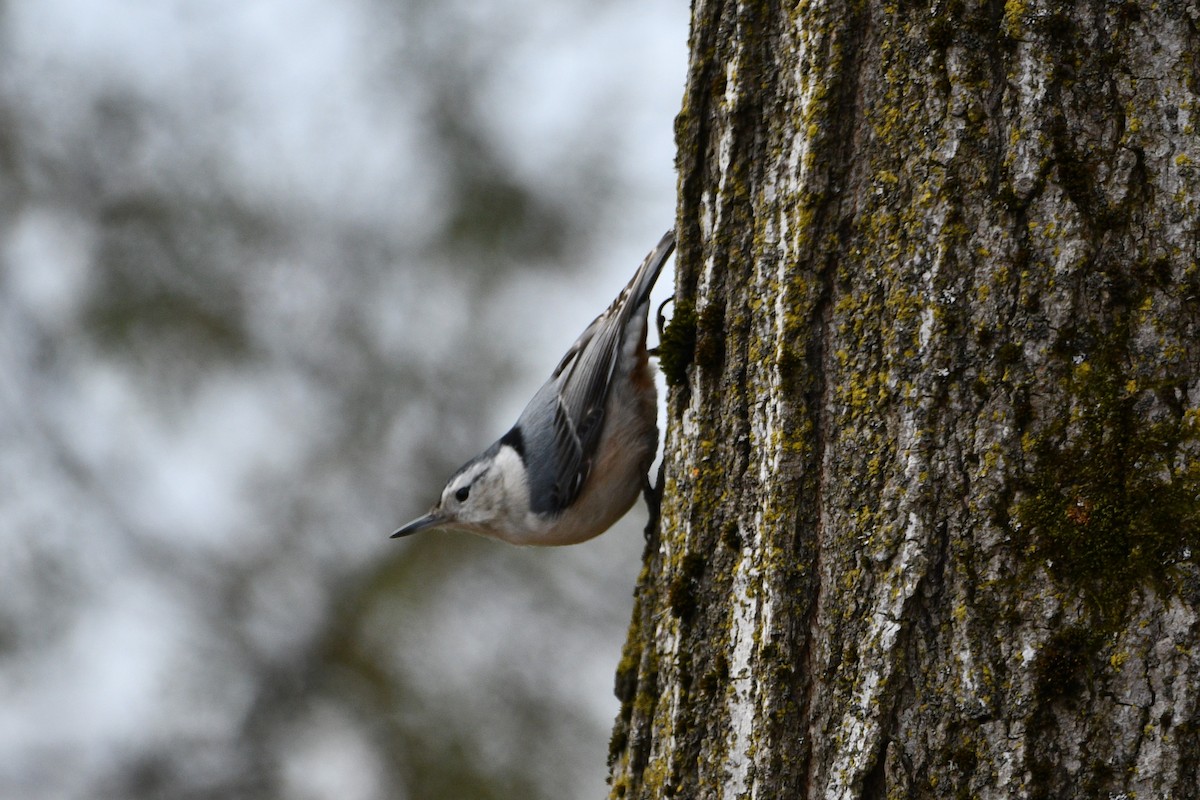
(468, 500)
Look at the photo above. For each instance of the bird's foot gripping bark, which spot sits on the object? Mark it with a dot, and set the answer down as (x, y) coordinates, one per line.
(661, 323)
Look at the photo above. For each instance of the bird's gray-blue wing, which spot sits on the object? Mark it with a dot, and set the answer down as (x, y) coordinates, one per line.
(563, 423)
(566, 417)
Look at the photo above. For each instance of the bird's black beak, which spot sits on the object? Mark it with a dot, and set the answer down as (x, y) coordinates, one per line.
(430, 520)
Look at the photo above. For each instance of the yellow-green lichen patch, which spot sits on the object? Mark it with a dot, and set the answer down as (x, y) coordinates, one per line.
(1015, 14)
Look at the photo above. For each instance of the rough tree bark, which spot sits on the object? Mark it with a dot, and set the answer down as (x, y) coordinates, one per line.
(931, 518)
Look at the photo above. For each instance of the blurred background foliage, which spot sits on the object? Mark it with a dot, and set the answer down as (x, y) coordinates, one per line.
(269, 271)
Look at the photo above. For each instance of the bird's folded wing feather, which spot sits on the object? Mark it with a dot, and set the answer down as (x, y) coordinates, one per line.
(576, 395)
(582, 381)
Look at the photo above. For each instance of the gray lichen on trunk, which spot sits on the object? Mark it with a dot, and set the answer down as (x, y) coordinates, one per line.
(931, 518)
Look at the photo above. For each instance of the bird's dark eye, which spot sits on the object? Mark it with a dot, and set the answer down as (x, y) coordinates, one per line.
(462, 494)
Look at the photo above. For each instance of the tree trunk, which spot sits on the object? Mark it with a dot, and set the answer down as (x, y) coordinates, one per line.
(931, 516)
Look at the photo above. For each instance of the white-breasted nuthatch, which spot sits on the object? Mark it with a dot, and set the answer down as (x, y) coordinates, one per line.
(577, 458)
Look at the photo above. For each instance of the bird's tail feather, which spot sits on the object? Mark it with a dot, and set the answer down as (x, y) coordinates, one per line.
(643, 281)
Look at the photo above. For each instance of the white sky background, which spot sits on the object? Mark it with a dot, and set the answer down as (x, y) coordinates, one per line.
(307, 112)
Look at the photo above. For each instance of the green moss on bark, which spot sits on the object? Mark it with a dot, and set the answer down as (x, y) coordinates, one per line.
(1113, 500)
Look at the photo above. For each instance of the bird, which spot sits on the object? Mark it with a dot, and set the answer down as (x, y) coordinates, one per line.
(578, 456)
